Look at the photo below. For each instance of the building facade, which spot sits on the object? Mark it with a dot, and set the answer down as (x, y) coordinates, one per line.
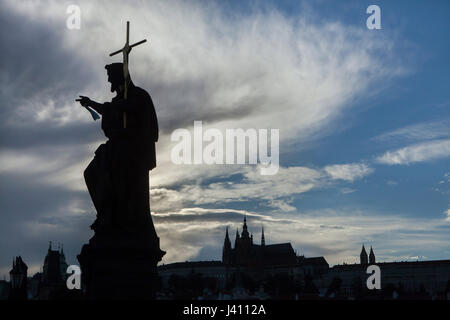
(258, 262)
(429, 279)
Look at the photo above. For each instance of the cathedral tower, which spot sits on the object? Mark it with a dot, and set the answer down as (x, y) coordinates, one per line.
(363, 256)
(371, 256)
(236, 240)
(226, 251)
(263, 241)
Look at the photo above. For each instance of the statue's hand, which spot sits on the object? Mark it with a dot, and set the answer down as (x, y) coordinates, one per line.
(84, 101)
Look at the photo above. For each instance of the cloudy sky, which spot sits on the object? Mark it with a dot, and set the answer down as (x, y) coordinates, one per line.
(363, 117)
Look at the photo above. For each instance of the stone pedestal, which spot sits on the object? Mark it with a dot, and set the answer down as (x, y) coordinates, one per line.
(119, 265)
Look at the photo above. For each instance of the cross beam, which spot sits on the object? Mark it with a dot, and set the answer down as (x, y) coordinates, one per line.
(126, 74)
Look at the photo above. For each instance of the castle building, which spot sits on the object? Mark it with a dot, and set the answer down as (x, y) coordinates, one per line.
(429, 277)
(258, 261)
(248, 254)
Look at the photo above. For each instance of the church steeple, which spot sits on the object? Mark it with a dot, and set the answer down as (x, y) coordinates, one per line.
(263, 240)
(245, 234)
(236, 240)
(371, 256)
(226, 248)
(363, 256)
(227, 238)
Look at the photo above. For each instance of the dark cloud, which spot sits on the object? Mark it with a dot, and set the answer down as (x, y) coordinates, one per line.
(45, 134)
(180, 107)
(34, 63)
(187, 217)
(37, 70)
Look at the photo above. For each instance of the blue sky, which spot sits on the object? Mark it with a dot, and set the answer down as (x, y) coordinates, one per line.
(363, 117)
(421, 96)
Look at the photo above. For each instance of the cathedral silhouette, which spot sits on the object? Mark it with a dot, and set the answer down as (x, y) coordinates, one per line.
(248, 254)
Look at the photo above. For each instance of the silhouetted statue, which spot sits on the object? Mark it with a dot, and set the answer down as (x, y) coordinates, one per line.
(118, 176)
(120, 259)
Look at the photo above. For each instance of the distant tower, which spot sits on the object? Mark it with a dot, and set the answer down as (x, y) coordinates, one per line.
(236, 240)
(245, 234)
(62, 263)
(371, 256)
(263, 241)
(55, 268)
(226, 251)
(244, 246)
(363, 256)
(18, 278)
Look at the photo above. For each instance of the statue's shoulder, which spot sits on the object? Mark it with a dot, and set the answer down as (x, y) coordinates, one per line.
(141, 92)
(143, 97)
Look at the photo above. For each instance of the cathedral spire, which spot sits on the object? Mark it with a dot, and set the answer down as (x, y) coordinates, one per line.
(363, 256)
(227, 242)
(226, 248)
(263, 240)
(245, 234)
(371, 256)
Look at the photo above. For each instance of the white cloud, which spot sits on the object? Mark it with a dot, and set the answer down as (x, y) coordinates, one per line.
(336, 234)
(348, 172)
(281, 205)
(249, 185)
(418, 132)
(57, 166)
(260, 70)
(392, 183)
(347, 190)
(421, 152)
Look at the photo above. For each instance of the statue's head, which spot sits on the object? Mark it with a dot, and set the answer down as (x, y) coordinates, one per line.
(115, 75)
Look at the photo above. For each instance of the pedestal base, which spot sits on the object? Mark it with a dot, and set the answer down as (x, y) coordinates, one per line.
(120, 266)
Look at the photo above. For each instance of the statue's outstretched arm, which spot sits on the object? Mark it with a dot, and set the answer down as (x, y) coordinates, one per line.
(87, 102)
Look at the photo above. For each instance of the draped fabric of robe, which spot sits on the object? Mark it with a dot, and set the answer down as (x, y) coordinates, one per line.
(118, 176)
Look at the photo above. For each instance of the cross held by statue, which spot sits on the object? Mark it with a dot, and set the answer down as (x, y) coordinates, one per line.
(126, 74)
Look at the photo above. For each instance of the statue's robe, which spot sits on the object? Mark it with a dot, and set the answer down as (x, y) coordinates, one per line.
(118, 176)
